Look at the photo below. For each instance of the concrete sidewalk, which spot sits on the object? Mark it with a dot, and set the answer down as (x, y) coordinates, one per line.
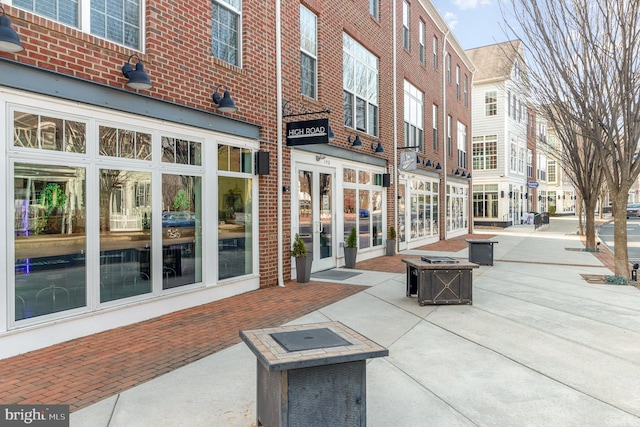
(539, 346)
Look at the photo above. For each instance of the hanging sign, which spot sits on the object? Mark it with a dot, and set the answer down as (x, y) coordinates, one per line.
(532, 184)
(408, 160)
(308, 132)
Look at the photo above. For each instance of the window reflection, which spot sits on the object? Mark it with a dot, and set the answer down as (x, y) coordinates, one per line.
(125, 234)
(50, 239)
(181, 230)
(235, 234)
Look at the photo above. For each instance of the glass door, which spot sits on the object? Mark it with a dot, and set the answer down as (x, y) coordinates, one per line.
(316, 224)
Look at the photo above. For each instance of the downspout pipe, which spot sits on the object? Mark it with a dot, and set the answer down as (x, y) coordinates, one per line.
(395, 121)
(279, 140)
(445, 131)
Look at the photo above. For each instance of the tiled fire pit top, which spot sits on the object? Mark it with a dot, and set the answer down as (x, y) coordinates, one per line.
(313, 344)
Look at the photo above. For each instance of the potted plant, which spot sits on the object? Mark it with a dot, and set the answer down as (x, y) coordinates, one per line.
(303, 260)
(391, 241)
(351, 249)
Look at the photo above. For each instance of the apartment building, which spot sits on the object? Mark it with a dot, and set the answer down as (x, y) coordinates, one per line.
(502, 159)
(161, 155)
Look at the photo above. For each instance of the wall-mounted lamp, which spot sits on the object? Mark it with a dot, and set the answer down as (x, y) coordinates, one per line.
(539, 198)
(438, 167)
(9, 39)
(457, 172)
(224, 103)
(138, 78)
(510, 194)
(428, 163)
(559, 197)
(378, 148)
(331, 135)
(469, 176)
(355, 142)
(464, 174)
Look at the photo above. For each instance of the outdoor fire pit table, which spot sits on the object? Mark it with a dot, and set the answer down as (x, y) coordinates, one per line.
(311, 375)
(440, 280)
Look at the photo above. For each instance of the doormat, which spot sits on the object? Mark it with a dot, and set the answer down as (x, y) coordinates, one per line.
(334, 274)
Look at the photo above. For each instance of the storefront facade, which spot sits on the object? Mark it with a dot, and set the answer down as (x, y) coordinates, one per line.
(109, 213)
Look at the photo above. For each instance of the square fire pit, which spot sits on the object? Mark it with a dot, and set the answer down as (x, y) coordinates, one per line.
(311, 375)
(440, 280)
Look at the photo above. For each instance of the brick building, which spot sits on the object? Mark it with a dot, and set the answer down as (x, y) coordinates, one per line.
(125, 202)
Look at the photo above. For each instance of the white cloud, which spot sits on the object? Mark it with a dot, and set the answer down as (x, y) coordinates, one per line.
(471, 4)
(451, 19)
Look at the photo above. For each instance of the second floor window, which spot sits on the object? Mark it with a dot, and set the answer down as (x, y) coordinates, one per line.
(360, 84)
(308, 52)
(462, 145)
(448, 68)
(413, 107)
(373, 8)
(435, 127)
(435, 52)
(119, 21)
(225, 30)
(485, 152)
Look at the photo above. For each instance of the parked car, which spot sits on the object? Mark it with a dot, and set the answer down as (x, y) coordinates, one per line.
(178, 219)
(633, 210)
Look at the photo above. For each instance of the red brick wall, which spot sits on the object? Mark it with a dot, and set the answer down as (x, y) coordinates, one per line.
(177, 56)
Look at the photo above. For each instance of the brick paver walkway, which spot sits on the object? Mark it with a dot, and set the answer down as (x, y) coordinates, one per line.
(86, 370)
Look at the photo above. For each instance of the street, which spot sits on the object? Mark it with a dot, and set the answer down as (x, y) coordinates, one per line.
(605, 232)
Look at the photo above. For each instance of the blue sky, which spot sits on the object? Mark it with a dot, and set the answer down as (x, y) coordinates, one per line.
(474, 23)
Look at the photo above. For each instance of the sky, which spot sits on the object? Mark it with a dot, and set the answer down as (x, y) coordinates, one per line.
(474, 23)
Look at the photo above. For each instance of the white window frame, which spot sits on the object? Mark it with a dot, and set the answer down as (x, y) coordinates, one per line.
(413, 116)
(491, 103)
(406, 25)
(421, 31)
(306, 44)
(237, 10)
(462, 145)
(84, 22)
(356, 54)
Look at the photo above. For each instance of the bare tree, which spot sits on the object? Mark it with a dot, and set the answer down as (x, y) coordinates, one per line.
(585, 62)
(579, 160)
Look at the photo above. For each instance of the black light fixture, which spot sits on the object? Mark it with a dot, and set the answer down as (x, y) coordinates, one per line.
(464, 174)
(330, 134)
(9, 39)
(138, 78)
(378, 148)
(469, 176)
(224, 103)
(355, 142)
(438, 167)
(428, 163)
(457, 172)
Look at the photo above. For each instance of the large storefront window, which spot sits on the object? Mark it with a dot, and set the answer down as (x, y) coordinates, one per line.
(181, 230)
(423, 206)
(235, 232)
(485, 201)
(457, 213)
(125, 234)
(363, 201)
(50, 239)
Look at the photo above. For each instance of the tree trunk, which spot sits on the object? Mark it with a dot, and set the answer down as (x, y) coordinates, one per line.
(620, 254)
(579, 211)
(590, 220)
